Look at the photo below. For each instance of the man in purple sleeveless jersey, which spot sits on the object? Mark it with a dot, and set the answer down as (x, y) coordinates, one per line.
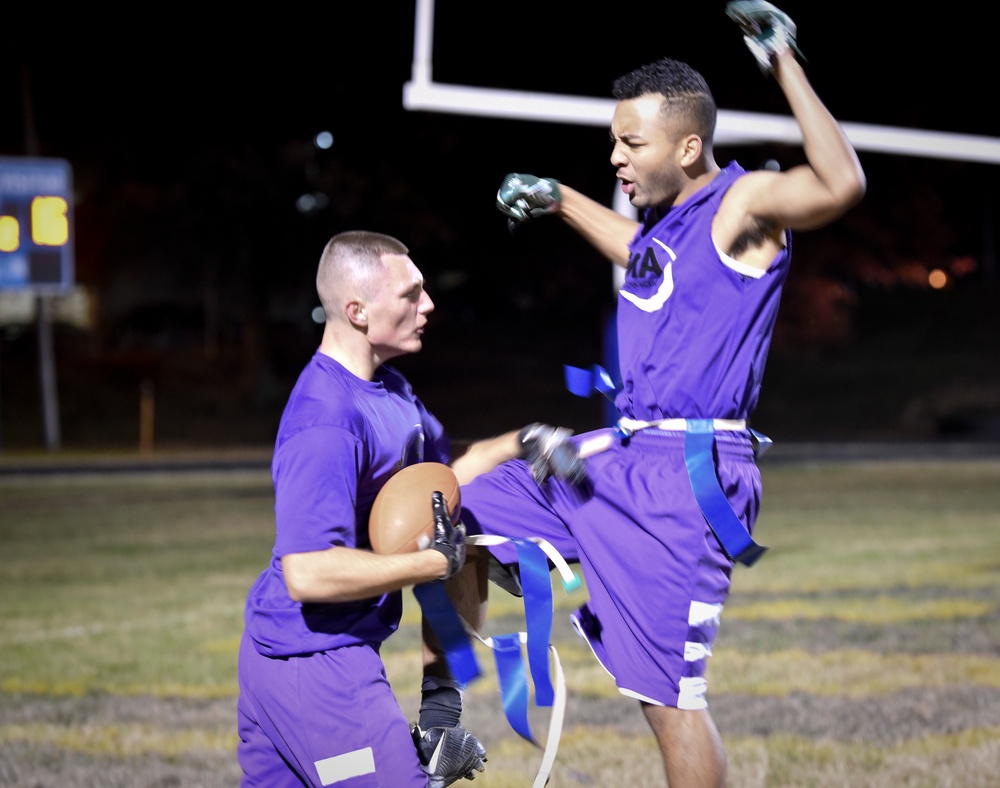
(315, 707)
(704, 273)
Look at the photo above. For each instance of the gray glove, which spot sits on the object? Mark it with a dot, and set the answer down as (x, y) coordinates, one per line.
(523, 197)
(449, 538)
(550, 453)
(767, 31)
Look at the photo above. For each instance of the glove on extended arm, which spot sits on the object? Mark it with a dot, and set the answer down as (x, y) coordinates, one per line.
(523, 197)
(767, 31)
(550, 453)
(449, 538)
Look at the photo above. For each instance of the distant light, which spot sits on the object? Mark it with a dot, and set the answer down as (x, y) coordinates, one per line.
(937, 279)
(309, 204)
(318, 315)
(323, 140)
(961, 266)
(449, 280)
(772, 164)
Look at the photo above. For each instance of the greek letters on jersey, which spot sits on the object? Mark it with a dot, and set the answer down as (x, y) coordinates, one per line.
(694, 327)
(647, 269)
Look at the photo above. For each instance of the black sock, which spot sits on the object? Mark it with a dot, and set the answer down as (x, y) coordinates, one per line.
(440, 703)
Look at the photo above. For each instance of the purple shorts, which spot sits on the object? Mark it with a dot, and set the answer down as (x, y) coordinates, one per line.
(326, 719)
(656, 575)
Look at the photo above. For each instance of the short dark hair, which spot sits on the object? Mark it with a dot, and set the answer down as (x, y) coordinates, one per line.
(684, 91)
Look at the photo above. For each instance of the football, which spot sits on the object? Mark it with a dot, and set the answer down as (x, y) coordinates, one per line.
(402, 516)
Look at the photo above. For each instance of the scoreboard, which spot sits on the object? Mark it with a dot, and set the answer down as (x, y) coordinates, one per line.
(36, 225)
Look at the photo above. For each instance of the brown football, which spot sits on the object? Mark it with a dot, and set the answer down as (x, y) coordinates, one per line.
(402, 516)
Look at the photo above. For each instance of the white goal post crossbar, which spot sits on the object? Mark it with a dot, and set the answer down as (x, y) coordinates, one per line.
(421, 93)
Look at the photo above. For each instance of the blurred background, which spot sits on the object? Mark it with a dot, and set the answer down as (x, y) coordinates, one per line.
(212, 160)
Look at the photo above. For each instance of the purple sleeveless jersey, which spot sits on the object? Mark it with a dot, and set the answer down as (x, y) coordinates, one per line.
(694, 326)
(694, 329)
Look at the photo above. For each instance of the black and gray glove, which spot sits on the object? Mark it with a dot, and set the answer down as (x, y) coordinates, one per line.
(524, 197)
(449, 538)
(550, 453)
(448, 754)
(767, 30)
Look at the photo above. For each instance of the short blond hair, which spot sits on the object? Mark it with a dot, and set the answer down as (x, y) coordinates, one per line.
(350, 265)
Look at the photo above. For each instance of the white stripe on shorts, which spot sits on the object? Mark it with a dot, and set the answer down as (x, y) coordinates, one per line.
(342, 767)
(692, 690)
(702, 614)
(696, 652)
(691, 694)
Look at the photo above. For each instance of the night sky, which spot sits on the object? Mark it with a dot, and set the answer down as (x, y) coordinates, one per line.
(151, 104)
(147, 101)
(190, 143)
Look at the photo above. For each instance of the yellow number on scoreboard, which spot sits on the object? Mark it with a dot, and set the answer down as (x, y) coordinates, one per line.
(10, 234)
(49, 225)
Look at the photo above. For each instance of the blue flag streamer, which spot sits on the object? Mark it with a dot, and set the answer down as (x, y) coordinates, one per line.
(513, 682)
(447, 624)
(698, 442)
(536, 583)
(585, 382)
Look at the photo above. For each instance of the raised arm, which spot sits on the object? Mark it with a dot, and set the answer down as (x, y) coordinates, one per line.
(832, 181)
(603, 228)
(525, 197)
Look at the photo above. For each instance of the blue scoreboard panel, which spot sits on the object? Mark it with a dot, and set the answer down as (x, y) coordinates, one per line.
(36, 224)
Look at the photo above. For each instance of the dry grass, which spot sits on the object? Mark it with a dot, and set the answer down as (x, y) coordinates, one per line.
(121, 609)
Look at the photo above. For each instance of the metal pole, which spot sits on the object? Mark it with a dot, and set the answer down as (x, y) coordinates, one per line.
(47, 373)
(43, 303)
(147, 405)
(1, 391)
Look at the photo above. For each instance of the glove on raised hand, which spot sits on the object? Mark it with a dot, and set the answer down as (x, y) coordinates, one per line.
(550, 453)
(767, 30)
(449, 538)
(523, 197)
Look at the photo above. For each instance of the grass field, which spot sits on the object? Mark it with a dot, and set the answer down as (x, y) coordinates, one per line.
(862, 650)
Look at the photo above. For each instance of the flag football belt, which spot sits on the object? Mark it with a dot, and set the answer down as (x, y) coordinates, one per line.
(625, 427)
(699, 441)
(534, 558)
